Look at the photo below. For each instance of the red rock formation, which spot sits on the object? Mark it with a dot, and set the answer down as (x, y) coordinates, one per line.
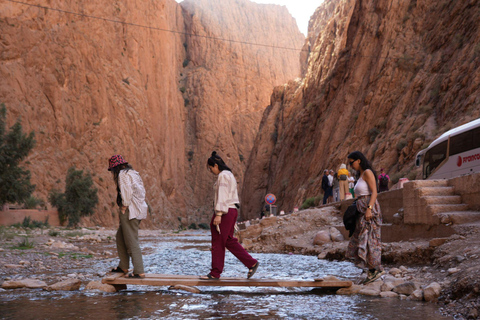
(228, 83)
(385, 78)
(91, 88)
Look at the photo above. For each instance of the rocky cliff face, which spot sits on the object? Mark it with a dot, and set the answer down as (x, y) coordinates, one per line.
(228, 83)
(383, 77)
(93, 87)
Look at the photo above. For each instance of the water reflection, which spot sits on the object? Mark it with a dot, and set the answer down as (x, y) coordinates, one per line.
(142, 302)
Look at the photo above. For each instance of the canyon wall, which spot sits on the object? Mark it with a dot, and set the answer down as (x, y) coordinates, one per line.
(96, 79)
(383, 77)
(228, 83)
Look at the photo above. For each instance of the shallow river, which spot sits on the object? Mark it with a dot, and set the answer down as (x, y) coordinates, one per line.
(188, 255)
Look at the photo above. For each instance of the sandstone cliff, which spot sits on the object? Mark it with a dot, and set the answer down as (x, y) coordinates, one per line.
(95, 79)
(383, 77)
(228, 83)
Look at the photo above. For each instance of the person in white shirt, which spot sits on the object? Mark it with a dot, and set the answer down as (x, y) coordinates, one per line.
(351, 185)
(365, 246)
(223, 221)
(133, 209)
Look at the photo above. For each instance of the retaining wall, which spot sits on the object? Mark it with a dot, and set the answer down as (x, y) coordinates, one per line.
(469, 188)
(7, 218)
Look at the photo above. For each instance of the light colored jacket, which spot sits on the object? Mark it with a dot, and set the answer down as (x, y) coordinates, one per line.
(226, 194)
(133, 193)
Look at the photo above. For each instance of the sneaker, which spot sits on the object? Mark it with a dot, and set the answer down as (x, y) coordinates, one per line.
(373, 276)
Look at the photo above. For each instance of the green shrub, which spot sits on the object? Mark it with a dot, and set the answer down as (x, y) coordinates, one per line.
(193, 226)
(204, 226)
(25, 244)
(26, 222)
(15, 186)
(311, 202)
(79, 199)
(53, 233)
(33, 202)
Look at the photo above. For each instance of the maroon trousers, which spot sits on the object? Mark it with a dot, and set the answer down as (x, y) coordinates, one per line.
(226, 240)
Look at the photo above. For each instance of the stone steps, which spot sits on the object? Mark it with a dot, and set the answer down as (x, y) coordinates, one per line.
(435, 209)
(432, 200)
(459, 217)
(435, 191)
(431, 183)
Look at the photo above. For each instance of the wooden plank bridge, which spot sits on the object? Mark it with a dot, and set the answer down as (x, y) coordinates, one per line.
(120, 282)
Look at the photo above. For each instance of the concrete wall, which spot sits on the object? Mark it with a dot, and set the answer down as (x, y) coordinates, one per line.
(415, 208)
(469, 188)
(390, 202)
(7, 218)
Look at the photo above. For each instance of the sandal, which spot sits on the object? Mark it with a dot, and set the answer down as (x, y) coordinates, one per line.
(135, 276)
(208, 277)
(252, 270)
(119, 270)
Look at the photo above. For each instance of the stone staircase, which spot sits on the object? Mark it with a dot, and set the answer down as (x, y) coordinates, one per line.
(442, 205)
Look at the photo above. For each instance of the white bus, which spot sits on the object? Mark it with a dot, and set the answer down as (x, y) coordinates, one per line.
(454, 153)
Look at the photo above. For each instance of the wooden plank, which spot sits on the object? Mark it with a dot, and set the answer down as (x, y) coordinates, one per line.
(172, 280)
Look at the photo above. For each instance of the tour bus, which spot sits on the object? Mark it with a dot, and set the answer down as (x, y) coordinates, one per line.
(454, 153)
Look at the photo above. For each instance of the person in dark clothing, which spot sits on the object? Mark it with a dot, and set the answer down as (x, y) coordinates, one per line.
(325, 186)
(383, 180)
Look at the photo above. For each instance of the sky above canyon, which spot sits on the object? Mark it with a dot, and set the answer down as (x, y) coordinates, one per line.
(301, 10)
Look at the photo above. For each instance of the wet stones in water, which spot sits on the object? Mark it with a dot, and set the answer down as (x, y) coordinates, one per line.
(67, 285)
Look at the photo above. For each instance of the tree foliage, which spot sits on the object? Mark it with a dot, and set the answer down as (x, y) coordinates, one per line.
(78, 200)
(15, 186)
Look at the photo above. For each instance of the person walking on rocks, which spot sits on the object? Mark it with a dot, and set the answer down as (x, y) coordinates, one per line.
(330, 186)
(383, 179)
(336, 187)
(325, 186)
(343, 176)
(351, 185)
(133, 209)
(365, 244)
(223, 221)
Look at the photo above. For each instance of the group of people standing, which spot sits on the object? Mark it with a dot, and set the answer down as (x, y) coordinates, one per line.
(337, 186)
(364, 246)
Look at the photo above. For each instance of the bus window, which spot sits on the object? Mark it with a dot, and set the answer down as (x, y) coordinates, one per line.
(433, 158)
(476, 138)
(461, 143)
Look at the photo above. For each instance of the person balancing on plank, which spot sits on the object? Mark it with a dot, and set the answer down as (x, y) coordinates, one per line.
(223, 221)
(133, 209)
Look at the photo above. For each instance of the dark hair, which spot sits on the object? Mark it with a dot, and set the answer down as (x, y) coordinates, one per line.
(116, 171)
(364, 163)
(216, 160)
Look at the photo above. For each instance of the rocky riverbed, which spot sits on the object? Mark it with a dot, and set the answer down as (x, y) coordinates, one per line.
(441, 270)
(58, 258)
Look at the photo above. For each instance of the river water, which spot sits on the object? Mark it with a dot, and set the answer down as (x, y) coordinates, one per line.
(189, 255)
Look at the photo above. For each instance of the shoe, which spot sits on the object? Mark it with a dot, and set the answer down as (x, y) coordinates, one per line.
(252, 270)
(135, 276)
(119, 270)
(373, 276)
(369, 275)
(208, 277)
